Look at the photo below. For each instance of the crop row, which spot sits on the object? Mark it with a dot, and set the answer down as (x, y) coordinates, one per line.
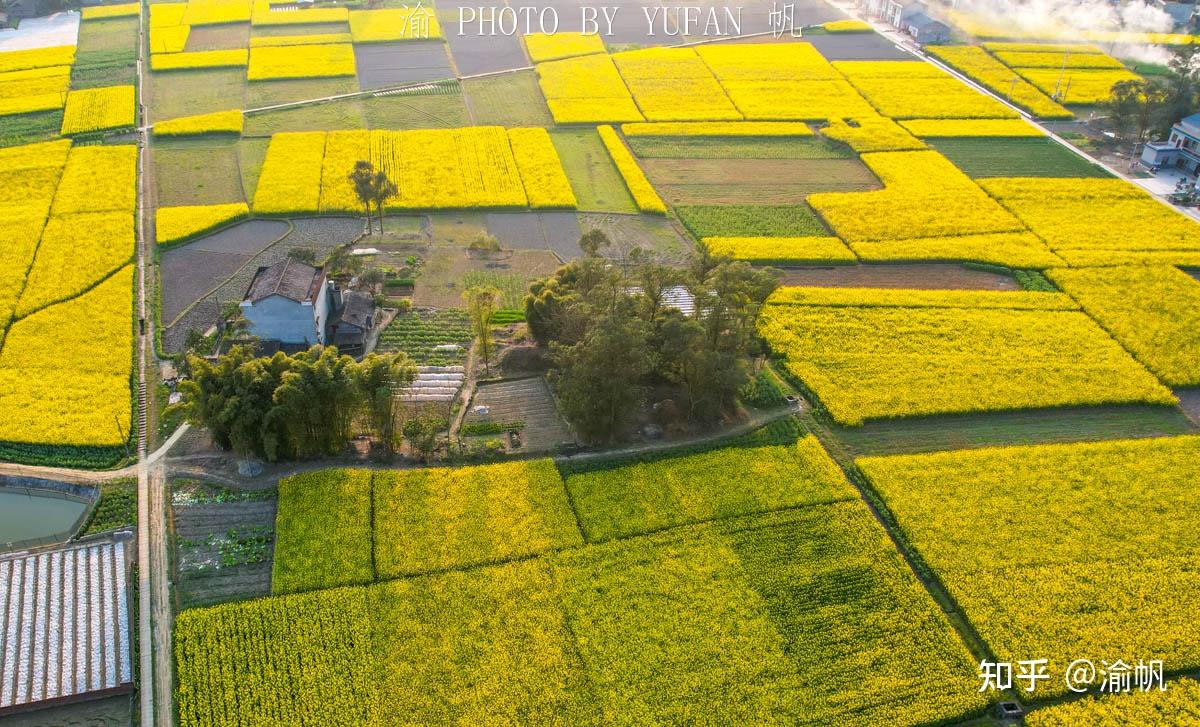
(475, 167)
(868, 362)
(1096, 556)
(752, 619)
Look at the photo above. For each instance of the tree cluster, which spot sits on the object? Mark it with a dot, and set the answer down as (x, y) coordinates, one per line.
(1147, 108)
(613, 332)
(301, 405)
(372, 187)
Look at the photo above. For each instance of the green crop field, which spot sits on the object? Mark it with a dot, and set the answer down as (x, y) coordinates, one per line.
(690, 147)
(985, 157)
(508, 100)
(597, 184)
(419, 334)
(746, 220)
(190, 172)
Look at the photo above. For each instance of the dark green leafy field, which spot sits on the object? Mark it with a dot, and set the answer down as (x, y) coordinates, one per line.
(987, 157)
(692, 147)
(744, 220)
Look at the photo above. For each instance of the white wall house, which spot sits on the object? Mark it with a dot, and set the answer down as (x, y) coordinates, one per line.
(288, 302)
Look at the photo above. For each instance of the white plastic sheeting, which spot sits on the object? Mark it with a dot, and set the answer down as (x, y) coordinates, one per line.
(47, 32)
(64, 623)
(434, 384)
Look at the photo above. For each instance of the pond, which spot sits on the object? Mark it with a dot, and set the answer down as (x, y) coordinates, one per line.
(29, 514)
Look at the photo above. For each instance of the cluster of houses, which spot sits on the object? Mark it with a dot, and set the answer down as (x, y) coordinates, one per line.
(292, 305)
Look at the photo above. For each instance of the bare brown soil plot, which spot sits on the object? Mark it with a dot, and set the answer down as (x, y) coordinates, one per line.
(223, 550)
(934, 276)
(762, 181)
(1189, 402)
(218, 37)
(528, 401)
(447, 271)
(628, 232)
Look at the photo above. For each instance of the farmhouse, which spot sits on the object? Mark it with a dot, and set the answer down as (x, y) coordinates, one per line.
(288, 302)
(1181, 149)
(66, 625)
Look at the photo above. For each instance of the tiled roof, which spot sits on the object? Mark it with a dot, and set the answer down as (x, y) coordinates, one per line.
(289, 278)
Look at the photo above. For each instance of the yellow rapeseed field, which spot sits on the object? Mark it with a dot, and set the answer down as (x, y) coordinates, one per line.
(982, 68)
(98, 179)
(236, 58)
(912, 90)
(546, 184)
(924, 196)
(218, 122)
(1047, 59)
(717, 128)
(846, 26)
(1154, 311)
(342, 150)
(64, 371)
(1074, 85)
(767, 62)
(392, 24)
(872, 361)
(673, 84)
(587, 89)
(1178, 704)
(76, 251)
(1073, 48)
(170, 40)
(290, 181)
(19, 60)
(915, 298)
(99, 12)
(782, 250)
(1066, 551)
(467, 168)
(644, 196)
(172, 224)
(303, 61)
(947, 128)
(1086, 220)
(553, 46)
(872, 133)
(34, 89)
(99, 109)
(801, 100)
(216, 12)
(1014, 249)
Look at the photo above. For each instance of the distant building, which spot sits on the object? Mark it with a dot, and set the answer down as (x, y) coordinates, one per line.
(907, 16)
(17, 10)
(288, 302)
(1183, 15)
(1180, 150)
(924, 29)
(353, 317)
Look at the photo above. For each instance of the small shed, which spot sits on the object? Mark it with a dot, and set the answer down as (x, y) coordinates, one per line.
(351, 321)
(926, 30)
